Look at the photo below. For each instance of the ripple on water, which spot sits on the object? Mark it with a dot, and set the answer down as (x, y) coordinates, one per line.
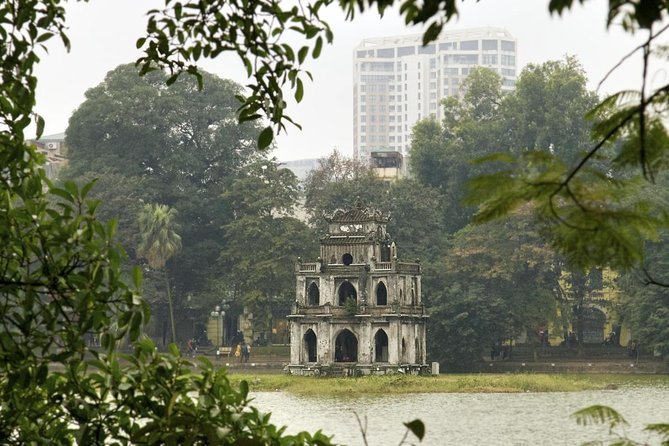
(466, 419)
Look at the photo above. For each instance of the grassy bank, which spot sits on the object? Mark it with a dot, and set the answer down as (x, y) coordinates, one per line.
(466, 383)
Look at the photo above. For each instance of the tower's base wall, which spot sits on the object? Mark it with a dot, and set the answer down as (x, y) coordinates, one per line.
(353, 369)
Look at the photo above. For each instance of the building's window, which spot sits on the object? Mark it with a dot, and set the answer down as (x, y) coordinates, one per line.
(391, 108)
(455, 81)
(399, 78)
(433, 106)
(461, 59)
(433, 85)
(419, 95)
(363, 108)
(363, 138)
(433, 74)
(489, 45)
(428, 49)
(433, 95)
(448, 46)
(363, 128)
(381, 294)
(346, 289)
(433, 63)
(399, 118)
(508, 72)
(385, 53)
(405, 51)
(508, 45)
(391, 118)
(450, 72)
(405, 107)
(405, 77)
(363, 98)
(363, 88)
(372, 118)
(508, 60)
(490, 59)
(391, 138)
(363, 118)
(313, 294)
(361, 54)
(464, 71)
(509, 83)
(399, 87)
(468, 45)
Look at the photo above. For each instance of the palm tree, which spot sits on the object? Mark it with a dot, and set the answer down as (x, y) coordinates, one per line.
(159, 242)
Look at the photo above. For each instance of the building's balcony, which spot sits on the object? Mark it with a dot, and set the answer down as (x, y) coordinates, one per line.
(393, 310)
(393, 266)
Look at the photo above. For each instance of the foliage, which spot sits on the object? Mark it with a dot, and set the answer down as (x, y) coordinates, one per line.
(336, 183)
(183, 147)
(605, 415)
(495, 286)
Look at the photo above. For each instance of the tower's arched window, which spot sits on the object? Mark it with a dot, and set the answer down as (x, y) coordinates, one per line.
(346, 347)
(347, 291)
(310, 346)
(381, 294)
(381, 346)
(313, 294)
(347, 259)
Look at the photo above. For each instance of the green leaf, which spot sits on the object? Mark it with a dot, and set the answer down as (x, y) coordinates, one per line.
(317, 47)
(302, 54)
(265, 138)
(140, 42)
(299, 90)
(417, 428)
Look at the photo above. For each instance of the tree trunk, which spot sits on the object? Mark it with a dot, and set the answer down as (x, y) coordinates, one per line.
(169, 302)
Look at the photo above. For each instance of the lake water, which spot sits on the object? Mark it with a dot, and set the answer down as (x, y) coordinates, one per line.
(466, 419)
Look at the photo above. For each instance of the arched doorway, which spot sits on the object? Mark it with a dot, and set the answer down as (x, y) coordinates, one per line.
(313, 294)
(381, 294)
(381, 346)
(346, 347)
(594, 321)
(346, 291)
(310, 346)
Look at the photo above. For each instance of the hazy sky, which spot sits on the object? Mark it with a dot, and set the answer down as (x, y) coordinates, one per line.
(103, 35)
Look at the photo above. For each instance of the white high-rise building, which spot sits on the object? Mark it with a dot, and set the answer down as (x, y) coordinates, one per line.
(398, 81)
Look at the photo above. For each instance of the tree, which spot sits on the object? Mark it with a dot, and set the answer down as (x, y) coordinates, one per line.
(181, 147)
(256, 264)
(159, 243)
(337, 182)
(495, 284)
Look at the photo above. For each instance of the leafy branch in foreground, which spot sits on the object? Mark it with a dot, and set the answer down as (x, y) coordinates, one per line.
(604, 415)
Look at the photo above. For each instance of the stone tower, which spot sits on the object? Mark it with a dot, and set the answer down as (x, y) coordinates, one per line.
(358, 309)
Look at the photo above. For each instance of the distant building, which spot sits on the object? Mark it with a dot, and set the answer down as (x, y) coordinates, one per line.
(301, 168)
(397, 81)
(53, 147)
(388, 165)
(358, 308)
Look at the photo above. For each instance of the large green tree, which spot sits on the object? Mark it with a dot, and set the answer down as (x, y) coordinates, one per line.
(495, 283)
(145, 143)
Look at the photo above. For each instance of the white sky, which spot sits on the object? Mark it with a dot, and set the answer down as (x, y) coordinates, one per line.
(103, 35)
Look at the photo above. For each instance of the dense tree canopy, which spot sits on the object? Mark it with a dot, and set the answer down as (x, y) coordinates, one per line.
(183, 148)
(58, 258)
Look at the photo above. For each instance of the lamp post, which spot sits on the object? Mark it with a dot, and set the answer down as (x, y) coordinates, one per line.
(218, 314)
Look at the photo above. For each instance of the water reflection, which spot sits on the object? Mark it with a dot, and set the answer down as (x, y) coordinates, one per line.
(466, 419)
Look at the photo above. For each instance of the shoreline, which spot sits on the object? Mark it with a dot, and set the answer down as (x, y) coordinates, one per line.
(451, 383)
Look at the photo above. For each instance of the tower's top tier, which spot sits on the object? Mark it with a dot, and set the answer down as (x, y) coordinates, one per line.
(359, 219)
